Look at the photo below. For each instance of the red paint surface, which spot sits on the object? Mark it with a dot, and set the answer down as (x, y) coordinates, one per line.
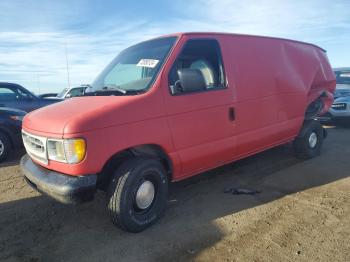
(270, 83)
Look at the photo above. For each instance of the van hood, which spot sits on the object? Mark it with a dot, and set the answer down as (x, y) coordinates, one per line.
(343, 99)
(82, 114)
(342, 90)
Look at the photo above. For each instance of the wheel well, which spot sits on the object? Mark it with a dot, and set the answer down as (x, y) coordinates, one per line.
(6, 133)
(149, 150)
(314, 108)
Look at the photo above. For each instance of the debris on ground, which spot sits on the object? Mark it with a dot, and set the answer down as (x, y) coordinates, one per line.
(241, 191)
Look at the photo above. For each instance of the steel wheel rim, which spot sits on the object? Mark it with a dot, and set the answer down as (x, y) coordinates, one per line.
(2, 147)
(145, 195)
(313, 139)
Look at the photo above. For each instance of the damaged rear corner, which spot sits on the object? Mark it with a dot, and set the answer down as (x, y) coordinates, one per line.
(320, 96)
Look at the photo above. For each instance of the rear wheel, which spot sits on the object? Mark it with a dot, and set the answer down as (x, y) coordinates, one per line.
(137, 194)
(5, 146)
(309, 142)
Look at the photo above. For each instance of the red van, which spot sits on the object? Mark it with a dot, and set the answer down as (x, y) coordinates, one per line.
(172, 107)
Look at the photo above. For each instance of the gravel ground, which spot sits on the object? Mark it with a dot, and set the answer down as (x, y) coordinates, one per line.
(301, 214)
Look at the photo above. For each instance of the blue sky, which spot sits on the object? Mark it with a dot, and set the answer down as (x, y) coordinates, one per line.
(33, 34)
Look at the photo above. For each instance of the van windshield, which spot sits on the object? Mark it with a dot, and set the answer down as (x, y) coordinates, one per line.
(134, 69)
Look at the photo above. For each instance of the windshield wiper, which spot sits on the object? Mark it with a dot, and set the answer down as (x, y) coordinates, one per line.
(114, 87)
(112, 92)
(107, 90)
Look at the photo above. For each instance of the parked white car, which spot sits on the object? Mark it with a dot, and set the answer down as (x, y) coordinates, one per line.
(72, 92)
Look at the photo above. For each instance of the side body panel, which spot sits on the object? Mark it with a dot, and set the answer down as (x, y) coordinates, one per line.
(270, 104)
(270, 84)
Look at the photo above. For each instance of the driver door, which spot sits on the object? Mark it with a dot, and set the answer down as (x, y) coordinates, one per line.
(202, 123)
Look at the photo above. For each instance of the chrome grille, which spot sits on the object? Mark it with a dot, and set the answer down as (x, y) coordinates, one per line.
(339, 106)
(35, 146)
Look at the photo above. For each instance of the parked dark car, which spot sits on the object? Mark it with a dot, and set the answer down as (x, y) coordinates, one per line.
(10, 130)
(16, 96)
(339, 113)
(48, 95)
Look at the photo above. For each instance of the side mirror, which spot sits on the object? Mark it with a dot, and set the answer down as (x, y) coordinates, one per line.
(190, 80)
(68, 96)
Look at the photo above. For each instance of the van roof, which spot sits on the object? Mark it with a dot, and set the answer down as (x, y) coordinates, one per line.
(244, 35)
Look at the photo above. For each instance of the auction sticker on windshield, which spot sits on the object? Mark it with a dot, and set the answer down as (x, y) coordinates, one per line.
(151, 63)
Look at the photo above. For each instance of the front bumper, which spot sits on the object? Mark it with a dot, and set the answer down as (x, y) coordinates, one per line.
(65, 189)
(340, 109)
(336, 114)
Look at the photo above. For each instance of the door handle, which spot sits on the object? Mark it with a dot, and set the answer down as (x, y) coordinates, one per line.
(231, 114)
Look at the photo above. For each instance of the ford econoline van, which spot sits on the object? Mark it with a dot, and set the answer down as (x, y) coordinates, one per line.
(170, 108)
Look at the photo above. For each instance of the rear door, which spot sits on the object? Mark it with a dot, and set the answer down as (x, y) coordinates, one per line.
(202, 123)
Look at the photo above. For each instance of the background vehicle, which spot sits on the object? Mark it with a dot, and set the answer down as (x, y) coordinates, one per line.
(16, 96)
(10, 130)
(340, 109)
(72, 92)
(170, 108)
(48, 95)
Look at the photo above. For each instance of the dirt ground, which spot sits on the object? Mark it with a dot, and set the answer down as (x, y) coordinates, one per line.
(301, 214)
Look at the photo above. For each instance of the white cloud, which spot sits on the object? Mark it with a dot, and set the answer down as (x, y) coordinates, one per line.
(37, 60)
(272, 17)
(36, 57)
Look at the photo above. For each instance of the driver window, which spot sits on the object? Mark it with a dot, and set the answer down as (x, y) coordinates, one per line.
(203, 55)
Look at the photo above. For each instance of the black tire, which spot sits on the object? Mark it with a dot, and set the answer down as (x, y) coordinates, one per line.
(5, 146)
(305, 145)
(123, 188)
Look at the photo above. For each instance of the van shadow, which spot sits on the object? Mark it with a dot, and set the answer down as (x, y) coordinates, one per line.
(39, 229)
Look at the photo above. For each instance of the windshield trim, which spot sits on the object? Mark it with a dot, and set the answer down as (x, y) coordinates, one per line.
(155, 77)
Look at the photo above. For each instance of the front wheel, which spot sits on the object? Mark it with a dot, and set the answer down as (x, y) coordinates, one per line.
(137, 194)
(5, 146)
(309, 142)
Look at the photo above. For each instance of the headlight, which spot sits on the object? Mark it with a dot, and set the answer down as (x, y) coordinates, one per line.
(70, 151)
(75, 150)
(17, 118)
(55, 150)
